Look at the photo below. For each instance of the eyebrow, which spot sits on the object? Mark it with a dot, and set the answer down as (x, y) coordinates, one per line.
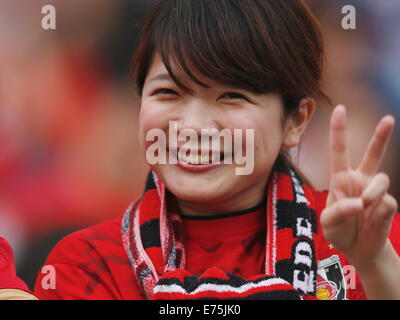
(159, 77)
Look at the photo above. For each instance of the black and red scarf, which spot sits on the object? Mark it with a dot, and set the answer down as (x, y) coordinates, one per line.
(153, 239)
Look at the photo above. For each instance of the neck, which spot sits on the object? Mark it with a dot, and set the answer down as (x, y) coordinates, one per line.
(249, 198)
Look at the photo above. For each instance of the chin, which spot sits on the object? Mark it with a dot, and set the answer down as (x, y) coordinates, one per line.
(210, 186)
(204, 194)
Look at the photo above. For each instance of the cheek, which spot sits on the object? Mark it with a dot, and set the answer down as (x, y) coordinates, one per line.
(267, 131)
(151, 117)
(269, 137)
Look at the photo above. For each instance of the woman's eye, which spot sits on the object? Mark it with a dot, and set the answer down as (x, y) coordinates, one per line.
(164, 91)
(233, 95)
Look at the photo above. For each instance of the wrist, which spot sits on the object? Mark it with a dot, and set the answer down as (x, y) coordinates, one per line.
(380, 276)
(373, 266)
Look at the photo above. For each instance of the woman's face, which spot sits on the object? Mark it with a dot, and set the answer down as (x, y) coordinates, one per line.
(203, 189)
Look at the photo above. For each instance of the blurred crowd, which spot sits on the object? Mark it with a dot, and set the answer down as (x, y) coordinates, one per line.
(69, 155)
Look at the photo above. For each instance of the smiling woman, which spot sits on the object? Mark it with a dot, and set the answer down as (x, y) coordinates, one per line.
(203, 231)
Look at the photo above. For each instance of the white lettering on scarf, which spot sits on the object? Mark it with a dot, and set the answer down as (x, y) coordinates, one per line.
(300, 195)
(306, 285)
(303, 252)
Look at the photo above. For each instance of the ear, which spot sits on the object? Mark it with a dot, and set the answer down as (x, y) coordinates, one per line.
(297, 122)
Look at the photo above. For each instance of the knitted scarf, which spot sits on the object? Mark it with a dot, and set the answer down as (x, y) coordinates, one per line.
(153, 239)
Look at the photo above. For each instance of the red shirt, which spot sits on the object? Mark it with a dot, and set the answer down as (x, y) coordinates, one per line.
(241, 234)
(92, 263)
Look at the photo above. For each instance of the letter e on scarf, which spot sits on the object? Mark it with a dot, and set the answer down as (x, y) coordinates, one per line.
(301, 279)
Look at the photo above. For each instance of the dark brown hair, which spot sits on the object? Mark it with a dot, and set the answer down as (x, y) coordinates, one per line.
(257, 45)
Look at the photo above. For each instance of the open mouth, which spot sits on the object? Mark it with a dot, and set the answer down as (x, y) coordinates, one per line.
(199, 157)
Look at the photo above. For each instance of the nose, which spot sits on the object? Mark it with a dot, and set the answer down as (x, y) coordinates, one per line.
(198, 115)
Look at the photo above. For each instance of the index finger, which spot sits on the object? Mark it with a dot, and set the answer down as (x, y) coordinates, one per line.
(338, 145)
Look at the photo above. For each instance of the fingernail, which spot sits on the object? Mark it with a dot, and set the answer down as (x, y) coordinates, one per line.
(356, 204)
(341, 115)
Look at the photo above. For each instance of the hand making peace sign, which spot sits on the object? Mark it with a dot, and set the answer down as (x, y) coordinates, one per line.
(359, 210)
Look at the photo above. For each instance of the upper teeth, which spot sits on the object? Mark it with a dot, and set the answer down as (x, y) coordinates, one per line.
(197, 159)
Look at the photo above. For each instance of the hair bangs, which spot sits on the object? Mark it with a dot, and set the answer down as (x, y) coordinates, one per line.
(257, 45)
(213, 39)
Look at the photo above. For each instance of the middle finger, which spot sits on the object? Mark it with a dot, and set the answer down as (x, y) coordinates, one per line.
(377, 147)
